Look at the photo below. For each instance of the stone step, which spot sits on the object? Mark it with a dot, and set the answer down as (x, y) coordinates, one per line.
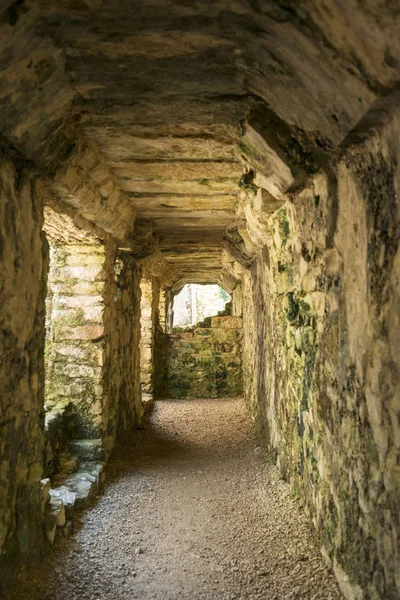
(76, 490)
(68, 498)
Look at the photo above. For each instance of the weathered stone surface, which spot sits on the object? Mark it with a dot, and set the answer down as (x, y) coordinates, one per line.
(82, 485)
(56, 509)
(226, 322)
(66, 496)
(273, 87)
(148, 313)
(74, 354)
(249, 143)
(54, 515)
(61, 426)
(205, 363)
(88, 353)
(122, 407)
(321, 369)
(85, 180)
(50, 528)
(23, 265)
(80, 332)
(45, 486)
(87, 450)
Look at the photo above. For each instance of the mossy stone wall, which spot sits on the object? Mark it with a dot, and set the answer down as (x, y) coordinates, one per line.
(75, 332)
(204, 363)
(23, 267)
(93, 335)
(122, 397)
(322, 358)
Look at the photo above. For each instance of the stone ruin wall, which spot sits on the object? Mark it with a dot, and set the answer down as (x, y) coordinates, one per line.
(321, 313)
(92, 356)
(122, 398)
(203, 363)
(321, 298)
(23, 267)
(93, 333)
(147, 335)
(75, 340)
(321, 329)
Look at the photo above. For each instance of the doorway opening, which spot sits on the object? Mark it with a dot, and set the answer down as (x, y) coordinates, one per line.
(197, 303)
(74, 344)
(201, 356)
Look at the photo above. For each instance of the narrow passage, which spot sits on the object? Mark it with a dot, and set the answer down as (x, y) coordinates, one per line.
(190, 510)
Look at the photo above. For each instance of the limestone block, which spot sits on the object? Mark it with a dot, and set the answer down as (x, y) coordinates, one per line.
(226, 322)
(99, 174)
(86, 273)
(147, 399)
(68, 497)
(107, 188)
(77, 351)
(55, 511)
(87, 288)
(72, 178)
(81, 332)
(76, 370)
(277, 175)
(89, 248)
(83, 490)
(76, 259)
(45, 488)
(96, 469)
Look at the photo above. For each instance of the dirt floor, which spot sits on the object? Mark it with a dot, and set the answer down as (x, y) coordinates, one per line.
(191, 510)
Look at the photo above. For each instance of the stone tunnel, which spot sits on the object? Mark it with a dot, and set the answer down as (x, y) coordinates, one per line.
(253, 144)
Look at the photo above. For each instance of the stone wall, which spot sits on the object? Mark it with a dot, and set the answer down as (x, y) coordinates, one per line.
(203, 363)
(146, 336)
(122, 400)
(75, 340)
(23, 266)
(93, 332)
(161, 321)
(321, 357)
(92, 363)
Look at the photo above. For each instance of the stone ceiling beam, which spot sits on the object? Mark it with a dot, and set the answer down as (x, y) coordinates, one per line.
(199, 118)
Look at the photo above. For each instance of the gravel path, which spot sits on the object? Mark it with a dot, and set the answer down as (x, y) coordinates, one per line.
(190, 511)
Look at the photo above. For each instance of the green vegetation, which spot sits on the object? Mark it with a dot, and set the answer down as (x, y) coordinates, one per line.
(203, 366)
(284, 225)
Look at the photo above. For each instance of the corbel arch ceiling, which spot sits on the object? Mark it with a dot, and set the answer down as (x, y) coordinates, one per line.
(181, 99)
